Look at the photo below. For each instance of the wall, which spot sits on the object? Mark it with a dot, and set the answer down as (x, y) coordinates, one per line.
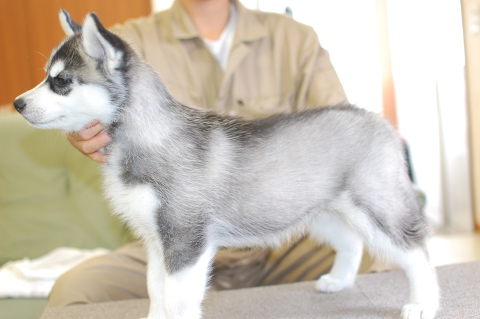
(471, 18)
(160, 5)
(428, 63)
(30, 30)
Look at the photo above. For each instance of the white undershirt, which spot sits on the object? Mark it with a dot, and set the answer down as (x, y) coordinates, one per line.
(221, 48)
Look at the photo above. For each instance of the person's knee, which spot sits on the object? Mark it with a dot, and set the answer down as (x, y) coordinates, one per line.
(114, 276)
(79, 285)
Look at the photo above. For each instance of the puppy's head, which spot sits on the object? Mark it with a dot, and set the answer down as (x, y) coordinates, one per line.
(85, 79)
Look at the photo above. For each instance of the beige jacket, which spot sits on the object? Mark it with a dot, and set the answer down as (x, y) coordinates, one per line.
(276, 64)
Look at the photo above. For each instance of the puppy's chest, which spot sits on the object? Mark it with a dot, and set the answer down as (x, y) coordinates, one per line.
(135, 203)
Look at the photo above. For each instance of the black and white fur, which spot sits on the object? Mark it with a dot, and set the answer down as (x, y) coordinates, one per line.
(189, 182)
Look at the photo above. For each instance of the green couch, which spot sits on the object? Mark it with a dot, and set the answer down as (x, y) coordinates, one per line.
(50, 196)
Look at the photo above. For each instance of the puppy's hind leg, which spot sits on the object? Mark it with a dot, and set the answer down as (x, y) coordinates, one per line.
(329, 228)
(411, 255)
(424, 292)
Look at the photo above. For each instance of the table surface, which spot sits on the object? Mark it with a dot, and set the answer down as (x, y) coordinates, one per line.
(378, 295)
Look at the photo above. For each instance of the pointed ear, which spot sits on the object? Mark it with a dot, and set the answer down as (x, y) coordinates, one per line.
(69, 26)
(100, 44)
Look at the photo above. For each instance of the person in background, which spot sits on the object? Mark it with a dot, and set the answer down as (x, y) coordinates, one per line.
(216, 55)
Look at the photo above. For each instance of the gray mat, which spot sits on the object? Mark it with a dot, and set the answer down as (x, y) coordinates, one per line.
(380, 295)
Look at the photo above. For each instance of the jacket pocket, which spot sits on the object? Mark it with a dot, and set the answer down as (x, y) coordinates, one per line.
(264, 106)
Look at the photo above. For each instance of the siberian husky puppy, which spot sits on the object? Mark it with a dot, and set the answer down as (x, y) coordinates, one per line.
(189, 182)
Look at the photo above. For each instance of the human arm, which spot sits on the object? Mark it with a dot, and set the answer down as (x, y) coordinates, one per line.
(319, 84)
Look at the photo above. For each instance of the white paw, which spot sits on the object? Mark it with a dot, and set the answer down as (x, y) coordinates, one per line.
(327, 283)
(413, 311)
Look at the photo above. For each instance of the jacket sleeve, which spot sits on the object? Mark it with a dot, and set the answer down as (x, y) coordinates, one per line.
(318, 83)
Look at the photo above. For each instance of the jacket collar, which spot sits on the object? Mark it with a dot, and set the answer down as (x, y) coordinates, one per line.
(182, 26)
(248, 27)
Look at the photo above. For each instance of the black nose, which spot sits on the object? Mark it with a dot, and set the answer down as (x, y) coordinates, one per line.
(19, 104)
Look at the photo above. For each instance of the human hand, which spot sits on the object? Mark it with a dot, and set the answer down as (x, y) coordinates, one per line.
(89, 141)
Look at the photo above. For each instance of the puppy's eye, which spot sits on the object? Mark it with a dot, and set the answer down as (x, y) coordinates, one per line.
(62, 81)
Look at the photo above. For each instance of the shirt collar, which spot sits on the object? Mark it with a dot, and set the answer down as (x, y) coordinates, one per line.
(248, 26)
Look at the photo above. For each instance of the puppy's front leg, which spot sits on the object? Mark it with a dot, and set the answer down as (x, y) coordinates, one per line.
(184, 290)
(155, 280)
